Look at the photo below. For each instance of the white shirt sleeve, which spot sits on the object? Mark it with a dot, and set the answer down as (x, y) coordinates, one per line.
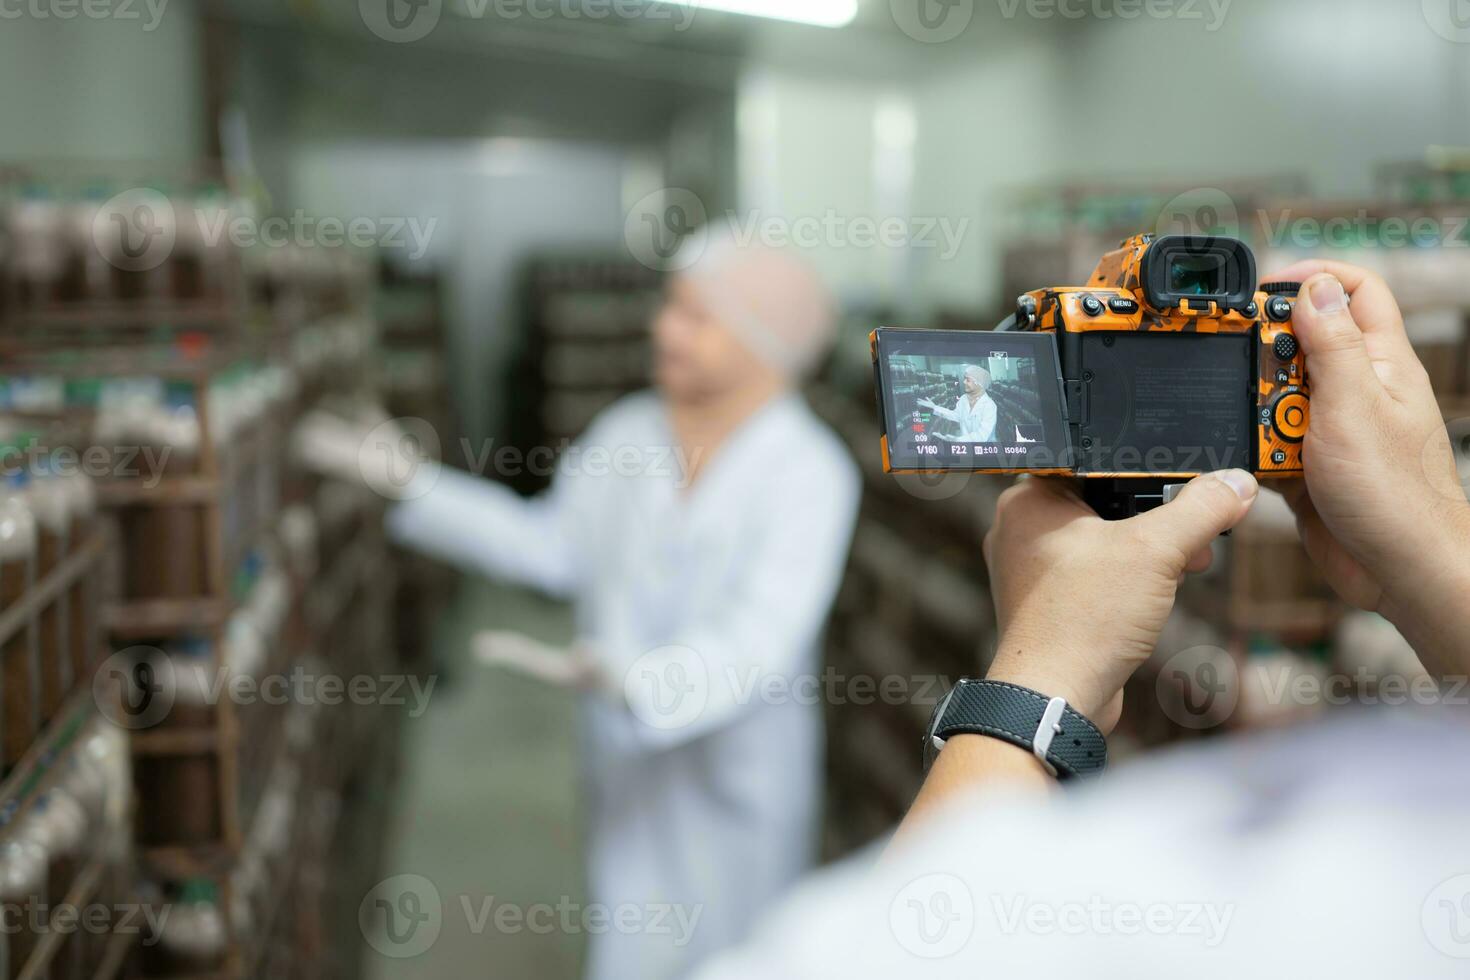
(772, 617)
(487, 528)
(1315, 853)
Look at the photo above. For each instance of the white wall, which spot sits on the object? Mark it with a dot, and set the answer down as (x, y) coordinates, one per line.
(814, 145)
(101, 89)
(808, 168)
(491, 202)
(1323, 87)
(985, 128)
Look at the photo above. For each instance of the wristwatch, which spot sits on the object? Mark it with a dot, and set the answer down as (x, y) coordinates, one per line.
(1065, 742)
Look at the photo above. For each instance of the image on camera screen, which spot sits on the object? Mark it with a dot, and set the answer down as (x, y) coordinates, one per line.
(971, 400)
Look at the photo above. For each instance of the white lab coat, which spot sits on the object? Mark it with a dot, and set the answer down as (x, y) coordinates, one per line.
(976, 422)
(712, 808)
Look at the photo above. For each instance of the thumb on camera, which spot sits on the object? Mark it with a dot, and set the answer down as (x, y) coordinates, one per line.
(1337, 357)
(1209, 506)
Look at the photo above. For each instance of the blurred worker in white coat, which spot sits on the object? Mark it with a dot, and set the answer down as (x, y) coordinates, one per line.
(701, 530)
(975, 410)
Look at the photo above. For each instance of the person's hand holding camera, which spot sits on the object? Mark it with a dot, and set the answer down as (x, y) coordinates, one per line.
(1381, 511)
(1080, 603)
(1079, 600)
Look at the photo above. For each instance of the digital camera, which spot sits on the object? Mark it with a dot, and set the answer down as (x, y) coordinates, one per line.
(1168, 363)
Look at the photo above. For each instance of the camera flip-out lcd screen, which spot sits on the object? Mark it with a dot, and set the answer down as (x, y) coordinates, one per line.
(966, 400)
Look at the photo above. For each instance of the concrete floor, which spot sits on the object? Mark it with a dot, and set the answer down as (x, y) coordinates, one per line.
(487, 810)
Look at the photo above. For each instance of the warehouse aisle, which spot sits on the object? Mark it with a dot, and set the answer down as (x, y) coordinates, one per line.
(487, 806)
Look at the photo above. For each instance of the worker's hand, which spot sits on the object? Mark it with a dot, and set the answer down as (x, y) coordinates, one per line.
(1080, 601)
(1381, 512)
(927, 403)
(573, 667)
(367, 448)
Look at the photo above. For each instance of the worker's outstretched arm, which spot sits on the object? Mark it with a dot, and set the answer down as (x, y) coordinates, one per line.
(484, 527)
(471, 522)
(952, 414)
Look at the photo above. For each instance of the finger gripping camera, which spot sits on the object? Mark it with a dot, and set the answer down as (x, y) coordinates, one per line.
(1168, 363)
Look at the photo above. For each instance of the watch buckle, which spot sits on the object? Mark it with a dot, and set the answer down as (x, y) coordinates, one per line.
(1049, 728)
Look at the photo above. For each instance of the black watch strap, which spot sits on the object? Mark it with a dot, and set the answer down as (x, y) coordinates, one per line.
(1068, 744)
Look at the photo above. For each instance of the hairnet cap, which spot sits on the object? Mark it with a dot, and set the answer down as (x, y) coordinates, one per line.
(771, 298)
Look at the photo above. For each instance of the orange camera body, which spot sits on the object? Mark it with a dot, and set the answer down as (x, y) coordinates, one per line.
(1117, 298)
(1169, 362)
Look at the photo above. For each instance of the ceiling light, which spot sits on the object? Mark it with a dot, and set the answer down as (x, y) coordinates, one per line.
(820, 13)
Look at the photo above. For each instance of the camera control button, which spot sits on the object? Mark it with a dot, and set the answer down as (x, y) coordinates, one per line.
(1283, 376)
(1284, 347)
(1092, 306)
(1278, 457)
(1289, 416)
(1250, 310)
(1121, 304)
(1278, 308)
